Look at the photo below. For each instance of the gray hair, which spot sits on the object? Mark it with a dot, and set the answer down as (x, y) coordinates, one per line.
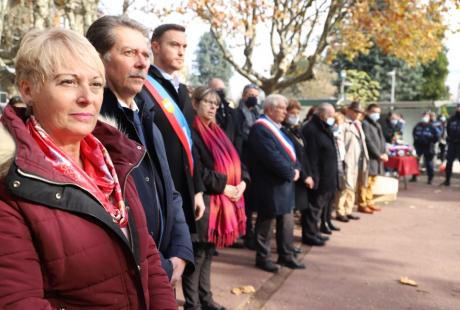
(101, 35)
(273, 100)
(323, 108)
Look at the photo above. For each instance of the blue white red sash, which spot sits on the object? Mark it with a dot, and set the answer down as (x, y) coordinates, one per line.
(285, 142)
(173, 114)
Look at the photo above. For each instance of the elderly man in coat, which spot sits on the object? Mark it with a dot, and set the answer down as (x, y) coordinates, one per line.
(322, 154)
(355, 163)
(273, 167)
(375, 142)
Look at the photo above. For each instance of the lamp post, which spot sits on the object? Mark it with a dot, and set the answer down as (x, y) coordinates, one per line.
(392, 73)
(343, 76)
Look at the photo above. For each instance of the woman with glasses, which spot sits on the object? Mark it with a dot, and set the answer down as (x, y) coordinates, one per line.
(224, 219)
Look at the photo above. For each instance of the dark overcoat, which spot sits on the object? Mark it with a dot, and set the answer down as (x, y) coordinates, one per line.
(375, 142)
(173, 240)
(321, 151)
(301, 191)
(272, 190)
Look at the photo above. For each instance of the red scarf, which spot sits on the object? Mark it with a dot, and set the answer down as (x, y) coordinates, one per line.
(98, 175)
(227, 219)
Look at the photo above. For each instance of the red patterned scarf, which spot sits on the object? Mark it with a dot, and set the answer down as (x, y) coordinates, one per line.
(227, 219)
(98, 175)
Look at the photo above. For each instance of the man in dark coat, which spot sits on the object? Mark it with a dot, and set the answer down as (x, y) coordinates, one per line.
(375, 142)
(125, 75)
(425, 137)
(173, 114)
(273, 167)
(453, 143)
(321, 152)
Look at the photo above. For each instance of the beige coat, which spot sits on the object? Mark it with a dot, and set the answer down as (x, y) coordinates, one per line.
(353, 150)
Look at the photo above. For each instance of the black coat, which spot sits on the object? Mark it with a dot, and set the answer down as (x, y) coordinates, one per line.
(226, 117)
(301, 191)
(185, 183)
(272, 190)
(375, 142)
(214, 183)
(321, 153)
(175, 239)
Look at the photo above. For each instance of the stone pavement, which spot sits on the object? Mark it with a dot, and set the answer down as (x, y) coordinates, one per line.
(417, 236)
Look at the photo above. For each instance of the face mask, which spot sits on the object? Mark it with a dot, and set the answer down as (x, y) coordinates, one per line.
(251, 102)
(394, 122)
(293, 120)
(374, 116)
(330, 121)
(442, 118)
(425, 119)
(221, 93)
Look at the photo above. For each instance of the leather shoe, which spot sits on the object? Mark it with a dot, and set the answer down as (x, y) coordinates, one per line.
(325, 229)
(332, 227)
(212, 306)
(291, 264)
(322, 237)
(365, 210)
(374, 208)
(353, 217)
(313, 241)
(342, 218)
(267, 266)
(297, 250)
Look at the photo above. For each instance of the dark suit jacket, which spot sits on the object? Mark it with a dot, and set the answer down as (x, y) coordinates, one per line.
(322, 155)
(185, 183)
(272, 190)
(174, 240)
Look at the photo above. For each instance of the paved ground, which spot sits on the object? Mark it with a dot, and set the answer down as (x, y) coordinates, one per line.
(417, 236)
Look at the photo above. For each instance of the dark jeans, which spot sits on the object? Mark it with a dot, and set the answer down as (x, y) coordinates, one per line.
(428, 155)
(312, 215)
(284, 237)
(453, 153)
(197, 286)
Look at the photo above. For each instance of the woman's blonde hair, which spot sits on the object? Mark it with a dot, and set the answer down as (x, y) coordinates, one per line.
(42, 52)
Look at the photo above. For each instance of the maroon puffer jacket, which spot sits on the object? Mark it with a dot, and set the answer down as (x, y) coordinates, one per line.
(59, 248)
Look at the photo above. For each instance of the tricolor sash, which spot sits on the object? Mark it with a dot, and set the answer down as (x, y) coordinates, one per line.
(173, 114)
(285, 142)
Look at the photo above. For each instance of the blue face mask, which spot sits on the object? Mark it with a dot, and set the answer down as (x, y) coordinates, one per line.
(374, 116)
(330, 121)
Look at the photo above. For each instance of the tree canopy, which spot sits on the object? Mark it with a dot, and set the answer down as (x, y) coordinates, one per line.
(210, 61)
(299, 30)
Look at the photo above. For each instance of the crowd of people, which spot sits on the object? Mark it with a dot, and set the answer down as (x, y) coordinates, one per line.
(118, 181)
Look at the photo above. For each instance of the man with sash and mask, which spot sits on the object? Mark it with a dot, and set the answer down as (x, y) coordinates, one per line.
(173, 113)
(123, 46)
(274, 168)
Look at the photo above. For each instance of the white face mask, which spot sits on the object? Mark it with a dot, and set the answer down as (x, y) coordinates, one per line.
(425, 119)
(374, 116)
(293, 120)
(330, 121)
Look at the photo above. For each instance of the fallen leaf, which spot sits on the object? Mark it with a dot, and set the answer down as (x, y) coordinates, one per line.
(245, 289)
(407, 281)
